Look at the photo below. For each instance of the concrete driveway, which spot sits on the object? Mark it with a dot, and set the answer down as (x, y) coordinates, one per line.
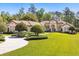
(11, 44)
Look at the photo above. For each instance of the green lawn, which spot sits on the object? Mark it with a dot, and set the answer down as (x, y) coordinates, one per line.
(6, 34)
(57, 44)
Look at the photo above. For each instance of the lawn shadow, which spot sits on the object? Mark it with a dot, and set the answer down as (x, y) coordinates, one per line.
(35, 39)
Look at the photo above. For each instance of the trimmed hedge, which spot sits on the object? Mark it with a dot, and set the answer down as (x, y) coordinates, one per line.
(77, 29)
(13, 35)
(36, 37)
(29, 33)
(8, 33)
(21, 34)
(2, 38)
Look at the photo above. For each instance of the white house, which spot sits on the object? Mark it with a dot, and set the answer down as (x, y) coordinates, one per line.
(53, 25)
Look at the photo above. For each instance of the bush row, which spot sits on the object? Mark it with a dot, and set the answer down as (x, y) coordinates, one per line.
(2, 38)
(36, 37)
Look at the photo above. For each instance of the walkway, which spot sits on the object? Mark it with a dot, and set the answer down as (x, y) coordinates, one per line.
(11, 44)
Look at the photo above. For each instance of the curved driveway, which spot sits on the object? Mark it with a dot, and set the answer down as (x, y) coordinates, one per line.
(11, 44)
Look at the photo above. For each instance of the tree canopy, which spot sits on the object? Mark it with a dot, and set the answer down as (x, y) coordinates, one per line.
(21, 27)
(37, 29)
(40, 14)
(32, 9)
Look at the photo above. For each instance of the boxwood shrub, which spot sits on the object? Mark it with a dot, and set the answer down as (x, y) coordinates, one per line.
(36, 37)
(2, 38)
(21, 34)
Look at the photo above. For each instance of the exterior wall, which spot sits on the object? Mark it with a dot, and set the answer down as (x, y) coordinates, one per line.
(65, 28)
(28, 29)
(11, 27)
(57, 26)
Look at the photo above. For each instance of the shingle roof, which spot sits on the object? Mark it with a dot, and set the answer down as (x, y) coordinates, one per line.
(28, 23)
(61, 22)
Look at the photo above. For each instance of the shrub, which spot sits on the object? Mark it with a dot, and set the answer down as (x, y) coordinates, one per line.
(72, 30)
(8, 32)
(13, 35)
(77, 29)
(2, 38)
(21, 27)
(37, 29)
(29, 34)
(3, 27)
(36, 37)
(21, 34)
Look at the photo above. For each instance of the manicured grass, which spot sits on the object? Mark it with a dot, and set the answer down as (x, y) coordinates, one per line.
(57, 44)
(2, 36)
(6, 34)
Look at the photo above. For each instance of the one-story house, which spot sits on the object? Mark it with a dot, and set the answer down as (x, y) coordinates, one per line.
(52, 26)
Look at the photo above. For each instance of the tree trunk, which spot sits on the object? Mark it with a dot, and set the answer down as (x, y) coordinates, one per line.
(36, 34)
